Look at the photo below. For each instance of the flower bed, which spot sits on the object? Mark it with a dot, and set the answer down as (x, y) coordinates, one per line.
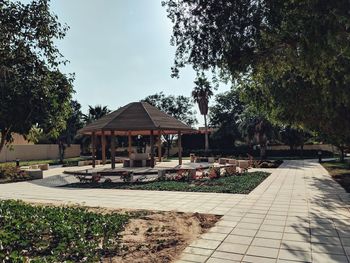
(205, 181)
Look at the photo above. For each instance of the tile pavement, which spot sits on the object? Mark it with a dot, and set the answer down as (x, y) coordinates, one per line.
(298, 214)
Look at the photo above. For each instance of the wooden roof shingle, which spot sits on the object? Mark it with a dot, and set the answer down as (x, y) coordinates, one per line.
(138, 118)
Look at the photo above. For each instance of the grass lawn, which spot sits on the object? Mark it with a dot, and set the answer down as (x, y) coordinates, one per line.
(47, 233)
(242, 184)
(340, 172)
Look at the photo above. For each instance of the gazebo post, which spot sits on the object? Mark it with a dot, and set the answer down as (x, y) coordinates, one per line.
(159, 146)
(112, 149)
(179, 146)
(129, 143)
(103, 142)
(93, 143)
(152, 147)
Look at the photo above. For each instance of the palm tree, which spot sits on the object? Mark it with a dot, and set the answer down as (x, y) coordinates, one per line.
(95, 113)
(201, 95)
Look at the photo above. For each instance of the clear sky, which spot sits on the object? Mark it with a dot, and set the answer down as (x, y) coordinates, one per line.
(119, 51)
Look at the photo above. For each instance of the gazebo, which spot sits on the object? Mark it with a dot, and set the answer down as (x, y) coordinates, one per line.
(136, 118)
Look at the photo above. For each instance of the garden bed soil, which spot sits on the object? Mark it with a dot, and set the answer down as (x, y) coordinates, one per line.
(340, 172)
(155, 236)
(161, 237)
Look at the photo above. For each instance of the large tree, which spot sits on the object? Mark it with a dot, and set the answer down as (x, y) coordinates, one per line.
(201, 94)
(256, 129)
(225, 116)
(293, 56)
(74, 123)
(33, 92)
(180, 107)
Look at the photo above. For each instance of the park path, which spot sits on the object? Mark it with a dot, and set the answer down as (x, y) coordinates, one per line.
(298, 214)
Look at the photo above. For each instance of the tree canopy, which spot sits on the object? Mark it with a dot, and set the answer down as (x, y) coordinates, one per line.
(33, 90)
(180, 107)
(225, 116)
(292, 58)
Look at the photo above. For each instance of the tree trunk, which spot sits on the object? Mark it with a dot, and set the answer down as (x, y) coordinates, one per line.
(302, 151)
(262, 151)
(342, 154)
(206, 134)
(3, 139)
(61, 150)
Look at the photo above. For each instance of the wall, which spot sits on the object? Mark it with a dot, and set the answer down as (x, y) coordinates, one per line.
(36, 152)
(323, 147)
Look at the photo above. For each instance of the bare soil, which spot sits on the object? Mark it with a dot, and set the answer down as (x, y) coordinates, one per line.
(162, 236)
(155, 236)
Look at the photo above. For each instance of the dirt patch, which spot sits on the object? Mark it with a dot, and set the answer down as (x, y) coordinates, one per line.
(340, 172)
(155, 236)
(162, 236)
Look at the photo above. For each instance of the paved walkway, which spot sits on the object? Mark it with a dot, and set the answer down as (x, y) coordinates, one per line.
(298, 214)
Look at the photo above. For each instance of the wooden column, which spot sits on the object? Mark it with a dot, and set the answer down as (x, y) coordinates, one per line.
(112, 149)
(152, 147)
(159, 146)
(93, 148)
(103, 142)
(179, 146)
(129, 143)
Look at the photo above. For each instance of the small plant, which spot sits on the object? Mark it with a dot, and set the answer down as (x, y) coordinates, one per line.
(213, 173)
(11, 173)
(108, 180)
(96, 178)
(126, 177)
(183, 175)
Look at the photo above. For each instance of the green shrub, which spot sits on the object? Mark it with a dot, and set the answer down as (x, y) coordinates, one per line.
(9, 172)
(57, 234)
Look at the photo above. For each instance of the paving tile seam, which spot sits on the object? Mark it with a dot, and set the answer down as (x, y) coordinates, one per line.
(241, 220)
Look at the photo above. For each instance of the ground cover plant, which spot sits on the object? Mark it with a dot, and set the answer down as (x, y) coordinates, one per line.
(240, 184)
(57, 234)
(48, 233)
(10, 173)
(340, 172)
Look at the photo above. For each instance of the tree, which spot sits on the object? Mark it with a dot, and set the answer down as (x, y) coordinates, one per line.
(74, 123)
(95, 113)
(293, 137)
(33, 90)
(201, 95)
(256, 128)
(225, 115)
(180, 107)
(294, 55)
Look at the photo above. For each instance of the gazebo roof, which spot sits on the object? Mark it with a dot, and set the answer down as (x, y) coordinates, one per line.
(138, 118)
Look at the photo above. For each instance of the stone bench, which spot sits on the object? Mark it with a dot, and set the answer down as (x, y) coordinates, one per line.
(35, 173)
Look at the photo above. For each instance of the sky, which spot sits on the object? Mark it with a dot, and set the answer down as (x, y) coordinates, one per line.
(120, 51)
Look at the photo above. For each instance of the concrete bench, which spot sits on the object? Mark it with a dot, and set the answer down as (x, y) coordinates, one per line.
(34, 173)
